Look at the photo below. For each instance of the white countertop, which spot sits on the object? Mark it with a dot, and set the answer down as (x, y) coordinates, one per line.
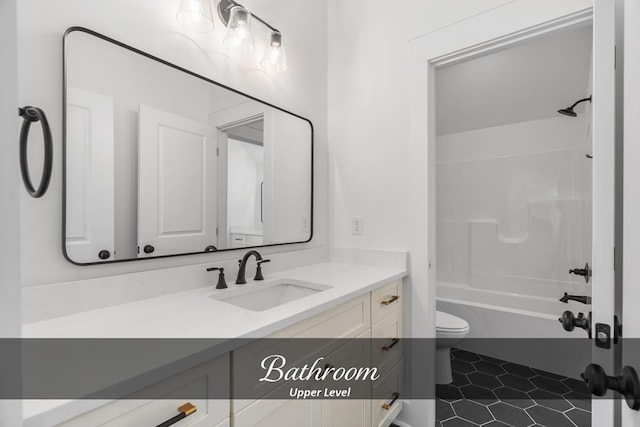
(192, 314)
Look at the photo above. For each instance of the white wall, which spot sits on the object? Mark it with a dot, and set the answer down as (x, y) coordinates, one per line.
(151, 26)
(244, 175)
(514, 206)
(369, 88)
(10, 410)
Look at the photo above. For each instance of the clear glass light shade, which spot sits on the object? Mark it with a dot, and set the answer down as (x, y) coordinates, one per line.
(238, 34)
(195, 15)
(274, 59)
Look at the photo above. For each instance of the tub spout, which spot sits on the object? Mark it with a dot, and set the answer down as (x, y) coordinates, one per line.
(582, 299)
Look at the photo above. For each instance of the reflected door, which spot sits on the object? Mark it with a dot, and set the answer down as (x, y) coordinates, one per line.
(90, 177)
(177, 187)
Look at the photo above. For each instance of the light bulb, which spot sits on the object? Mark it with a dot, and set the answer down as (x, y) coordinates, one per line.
(195, 15)
(238, 34)
(274, 59)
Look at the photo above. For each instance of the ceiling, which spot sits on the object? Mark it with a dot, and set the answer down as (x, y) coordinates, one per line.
(529, 81)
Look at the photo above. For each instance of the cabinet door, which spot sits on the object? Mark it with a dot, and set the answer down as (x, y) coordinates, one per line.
(349, 412)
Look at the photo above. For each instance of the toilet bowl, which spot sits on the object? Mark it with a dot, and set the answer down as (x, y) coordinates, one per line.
(450, 330)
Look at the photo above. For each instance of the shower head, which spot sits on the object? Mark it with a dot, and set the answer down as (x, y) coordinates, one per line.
(569, 110)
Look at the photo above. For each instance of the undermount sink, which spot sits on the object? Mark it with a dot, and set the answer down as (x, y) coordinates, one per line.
(266, 295)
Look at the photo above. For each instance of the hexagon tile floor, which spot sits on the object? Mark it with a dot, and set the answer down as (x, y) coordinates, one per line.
(489, 392)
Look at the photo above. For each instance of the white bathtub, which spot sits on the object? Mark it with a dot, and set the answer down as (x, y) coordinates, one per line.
(514, 327)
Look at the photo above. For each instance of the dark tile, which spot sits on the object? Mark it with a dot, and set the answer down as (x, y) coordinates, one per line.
(550, 400)
(548, 384)
(488, 367)
(484, 380)
(576, 385)
(549, 374)
(513, 397)
(548, 417)
(479, 394)
(519, 370)
(510, 415)
(459, 379)
(579, 400)
(458, 422)
(579, 418)
(496, 424)
(444, 411)
(492, 359)
(466, 356)
(448, 392)
(516, 382)
(472, 411)
(461, 366)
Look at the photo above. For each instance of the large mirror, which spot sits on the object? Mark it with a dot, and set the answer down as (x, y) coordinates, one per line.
(160, 161)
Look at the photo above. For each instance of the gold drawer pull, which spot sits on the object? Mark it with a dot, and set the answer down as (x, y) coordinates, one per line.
(394, 341)
(185, 410)
(387, 406)
(392, 299)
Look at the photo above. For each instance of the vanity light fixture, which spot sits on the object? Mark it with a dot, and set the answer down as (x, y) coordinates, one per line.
(238, 35)
(238, 22)
(274, 58)
(195, 15)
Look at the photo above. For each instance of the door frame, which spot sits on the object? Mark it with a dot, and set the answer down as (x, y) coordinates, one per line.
(497, 28)
(223, 158)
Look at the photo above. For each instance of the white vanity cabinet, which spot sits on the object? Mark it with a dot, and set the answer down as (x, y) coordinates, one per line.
(377, 314)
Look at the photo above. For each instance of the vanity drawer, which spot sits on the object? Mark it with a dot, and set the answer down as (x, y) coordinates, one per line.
(387, 344)
(238, 240)
(254, 240)
(348, 320)
(386, 301)
(150, 412)
(386, 408)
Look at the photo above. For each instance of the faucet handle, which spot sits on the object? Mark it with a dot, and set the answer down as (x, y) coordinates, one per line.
(222, 283)
(259, 275)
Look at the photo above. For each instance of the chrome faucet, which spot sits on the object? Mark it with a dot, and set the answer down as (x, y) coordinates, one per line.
(241, 279)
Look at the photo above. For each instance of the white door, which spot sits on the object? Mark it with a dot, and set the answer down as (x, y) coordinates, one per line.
(90, 177)
(631, 221)
(177, 184)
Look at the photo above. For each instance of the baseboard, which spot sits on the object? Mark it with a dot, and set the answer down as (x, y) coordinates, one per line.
(401, 424)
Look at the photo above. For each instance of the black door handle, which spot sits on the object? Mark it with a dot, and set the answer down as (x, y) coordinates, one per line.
(104, 254)
(570, 322)
(32, 115)
(627, 384)
(148, 249)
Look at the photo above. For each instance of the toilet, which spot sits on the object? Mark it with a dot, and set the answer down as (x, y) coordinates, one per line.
(450, 330)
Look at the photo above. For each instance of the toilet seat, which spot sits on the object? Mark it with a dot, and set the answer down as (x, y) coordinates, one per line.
(446, 322)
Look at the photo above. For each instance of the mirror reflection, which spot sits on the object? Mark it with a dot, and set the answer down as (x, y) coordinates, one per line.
(162, 162)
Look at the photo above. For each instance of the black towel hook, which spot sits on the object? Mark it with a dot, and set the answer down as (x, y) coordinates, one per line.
(31, 115)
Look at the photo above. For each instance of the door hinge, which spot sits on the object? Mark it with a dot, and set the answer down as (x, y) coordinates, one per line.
(218, 152)
(216, 231)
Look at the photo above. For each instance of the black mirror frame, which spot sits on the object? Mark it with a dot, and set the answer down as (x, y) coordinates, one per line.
(184, 70)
